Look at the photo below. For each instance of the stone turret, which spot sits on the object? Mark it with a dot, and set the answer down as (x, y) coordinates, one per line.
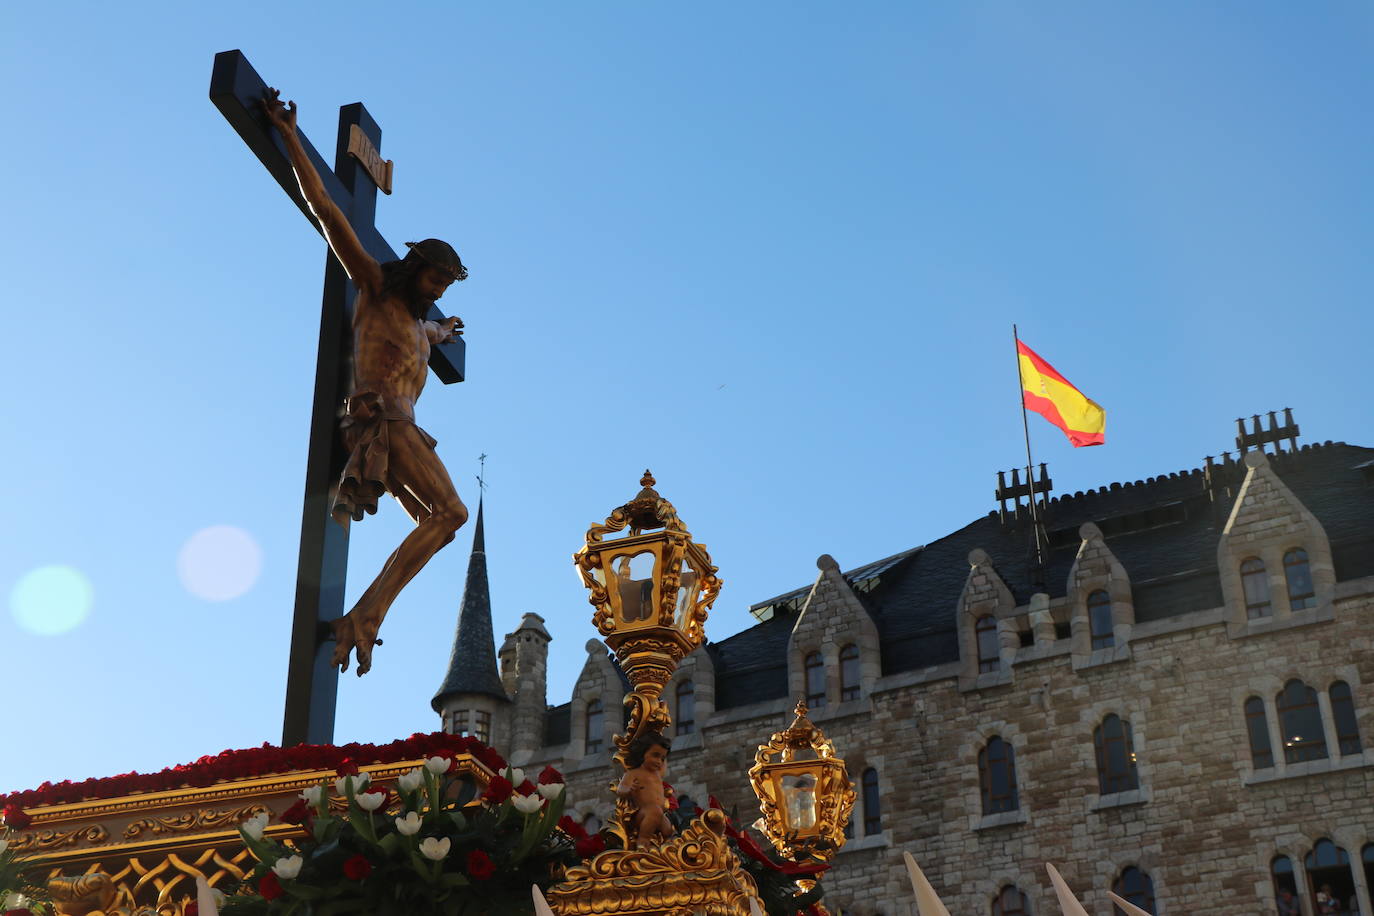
(472, 699)
(524, 672)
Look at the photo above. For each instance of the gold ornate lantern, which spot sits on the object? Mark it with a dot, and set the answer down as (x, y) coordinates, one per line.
(804, 790)
(652, 588)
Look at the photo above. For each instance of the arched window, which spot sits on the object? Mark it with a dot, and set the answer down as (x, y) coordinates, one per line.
(1010, 902)
(814, 667)
(1254, 581)
(596, 725)
(1367, 855)
(1328, 871)
(1261, 751)
(686, 707)
(849, 673)
(1301, 722)
(997, 776)
(1134, 886)
(1281, 870)
(1100, 619)
(1298, 572)
(1343, 711)
(989, 652)
(1115, 756)
(481, 726)
(873, 805)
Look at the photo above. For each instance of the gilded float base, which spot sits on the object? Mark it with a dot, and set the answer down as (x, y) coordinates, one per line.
(693, 874)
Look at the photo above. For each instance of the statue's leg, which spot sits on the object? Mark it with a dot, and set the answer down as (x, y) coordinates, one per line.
(421, 483)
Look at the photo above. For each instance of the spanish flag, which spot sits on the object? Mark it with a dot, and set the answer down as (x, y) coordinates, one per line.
(1049, 394)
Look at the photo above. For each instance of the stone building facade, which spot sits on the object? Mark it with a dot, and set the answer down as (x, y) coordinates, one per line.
(1176, 700)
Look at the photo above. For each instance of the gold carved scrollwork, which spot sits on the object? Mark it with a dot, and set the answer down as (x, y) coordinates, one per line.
(696, 872)
(163, 884)
(204, 819)
(48, 840)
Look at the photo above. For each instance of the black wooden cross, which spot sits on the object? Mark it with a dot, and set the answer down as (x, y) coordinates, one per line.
(311, 681)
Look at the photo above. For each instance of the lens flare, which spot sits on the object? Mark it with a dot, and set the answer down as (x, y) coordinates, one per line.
(51, 600)
(219, 563)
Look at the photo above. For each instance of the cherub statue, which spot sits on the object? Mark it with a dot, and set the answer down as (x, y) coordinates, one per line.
(388, 453)
(646, 764)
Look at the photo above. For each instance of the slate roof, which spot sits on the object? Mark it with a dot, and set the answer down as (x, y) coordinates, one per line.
(1164, 530)
(472, 664)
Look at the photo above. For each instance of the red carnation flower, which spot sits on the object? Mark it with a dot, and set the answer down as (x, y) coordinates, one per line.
(491, 759)
(526, 788)
(191, 909)
(357, 868)
(299, 813)
(713, 802)
(571, 827)
(498, 790)
(347, 767)
(269, 886)
(20, 912)
(590, 846)
(480, 865)
(15, 818)
(548, 776)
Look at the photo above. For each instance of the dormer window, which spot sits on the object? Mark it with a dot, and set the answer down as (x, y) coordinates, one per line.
(1298, 572)
(849, 673)
(989, 653)
(1100, 619)
(814, 668)
(1254, 581)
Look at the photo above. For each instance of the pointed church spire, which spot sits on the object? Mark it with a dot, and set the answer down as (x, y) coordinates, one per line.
(472, 665)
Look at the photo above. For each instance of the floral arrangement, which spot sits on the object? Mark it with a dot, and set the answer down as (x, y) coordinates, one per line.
(256, 761)
(434, 847)
(17, 896)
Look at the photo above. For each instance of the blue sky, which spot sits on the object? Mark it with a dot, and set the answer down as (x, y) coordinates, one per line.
(772, 251)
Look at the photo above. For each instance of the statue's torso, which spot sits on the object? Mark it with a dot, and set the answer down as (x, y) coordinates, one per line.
(390, 349)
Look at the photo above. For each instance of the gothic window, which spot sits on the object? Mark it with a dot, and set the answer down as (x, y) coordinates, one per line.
(1281, 870)
(989, 655)
(1343, 711)
(1261, 751)
(1100, 619)
(1254, 582)
(997, 776)
(1010, 902)
(873, 805)
(1298, 572)
(814, 667)
(1115, 756)
(686, 707)
(1328, 865)
(1134, 886)
(849, 673)
(596, 723)
(1301, 722)
(481, 726)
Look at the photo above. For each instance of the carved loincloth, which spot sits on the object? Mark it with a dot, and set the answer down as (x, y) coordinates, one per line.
(366, 430)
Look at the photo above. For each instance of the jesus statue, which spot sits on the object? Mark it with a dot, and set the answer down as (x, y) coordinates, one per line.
(388, 453)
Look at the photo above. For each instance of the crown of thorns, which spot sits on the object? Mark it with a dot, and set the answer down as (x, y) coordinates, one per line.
(441, 256)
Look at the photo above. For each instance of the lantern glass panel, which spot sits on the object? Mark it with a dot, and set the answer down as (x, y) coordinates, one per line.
(795, 790)
(634, 585)
(687, 592)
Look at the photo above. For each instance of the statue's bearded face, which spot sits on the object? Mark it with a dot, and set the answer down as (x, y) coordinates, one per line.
(427, 285)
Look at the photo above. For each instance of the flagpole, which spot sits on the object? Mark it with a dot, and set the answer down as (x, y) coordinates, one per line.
(1030, 462)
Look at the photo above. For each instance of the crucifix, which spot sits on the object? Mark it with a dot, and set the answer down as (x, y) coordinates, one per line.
(376, 413)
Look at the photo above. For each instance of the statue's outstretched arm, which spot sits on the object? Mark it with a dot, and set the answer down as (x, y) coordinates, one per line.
(362, 268)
